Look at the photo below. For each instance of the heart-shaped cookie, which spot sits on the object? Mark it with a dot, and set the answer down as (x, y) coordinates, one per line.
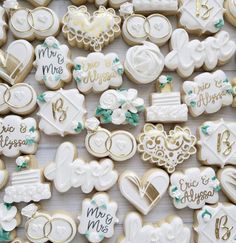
(144, 193)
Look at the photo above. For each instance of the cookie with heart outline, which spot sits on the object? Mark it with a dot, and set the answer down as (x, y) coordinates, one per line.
(3, 175)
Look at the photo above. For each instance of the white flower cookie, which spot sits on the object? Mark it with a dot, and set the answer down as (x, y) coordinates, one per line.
(97, 72)
(112, 3)
(208, 93)
(144, 193)
(53, 63)
(61, 112)
(230, 13)
(3, 174)
(168, 230)
(144, 63)
(98, 218)
(3, 26)
(166, 150)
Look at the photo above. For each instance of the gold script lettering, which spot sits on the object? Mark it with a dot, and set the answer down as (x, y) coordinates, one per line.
(222, 231)
(59, 111)
(223, 139)
(201, 5)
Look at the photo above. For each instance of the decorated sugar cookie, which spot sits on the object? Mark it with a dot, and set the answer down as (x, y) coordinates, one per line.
(230, 13)
(53, 63)
(68, 171)
(166, 106)
(42, 226)
(38, 3)
(3, 175)
(194, 187)
(208, 93)
(61, 112)
(119, 145)
(112, 3)
(27, 184)
(19, 240)
(16, 61)
(144, 193)
(91, 32)
(144, 63)
(97, 72)
(3, 26)
(168, 230)
(126, 9)
(166, 150)
(98, 218)
(18, 135)
(216, 223)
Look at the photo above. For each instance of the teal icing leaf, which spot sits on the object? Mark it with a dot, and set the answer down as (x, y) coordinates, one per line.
(57, 77)
(79, 127)
(104, 114)
(219, 24)
(190, 92)
(104, 207)
(169, 79)
(132, 118)
(23, 166)
(77, 67)
(174, 189)
(193, 103)
(226, 81)
(230, 91)
(116, 60)
(204, 129)
(32, 129)
(5, 236)
(93, 202)
(206, 212)
(41, 98)
(78, 80)
(8, 205)
(55, 46)
(120, 71)
(29, 141)
(217, 188)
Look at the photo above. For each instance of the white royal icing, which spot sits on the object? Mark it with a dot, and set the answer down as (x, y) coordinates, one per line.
(3, 175)
(232, 7)
(3, 25)
(144, 193)
(126, 9)
(8, 215)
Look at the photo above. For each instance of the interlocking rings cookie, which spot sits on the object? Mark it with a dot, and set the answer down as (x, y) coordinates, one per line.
(215, 223)
(20, 99)
(166, 150)
(68, 171)
(53, 63)
(3, 175)
(230, 13)
(168, 230)
(208, 93)
(155, 28)
(42, 226)
(97, 72)
(91, 32)
(112, 3)
(16, 61)
(144, 193)
(144, 63)
(98, 218)
(3, 26)
(61, 112)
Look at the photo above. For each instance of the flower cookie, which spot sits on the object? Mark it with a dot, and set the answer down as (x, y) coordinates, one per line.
(230, 13)
(168, 230)
(98, 218)
(61, 112)
(119, 145)
(27, 183)
(215, 223)
(144, 63)
(208, 93)
(3, 175)
(144, 193)
(97, 72)
(9, 220)
(38, 3)
(155, 28)
(166, 106)
(3, 26)
(91, 32)
(166, 150)
(200, 16)
(120, 107)
(18, 136)
(194, 187)
(53, 63)
(68, 171)
(42, 226)
(112, 3)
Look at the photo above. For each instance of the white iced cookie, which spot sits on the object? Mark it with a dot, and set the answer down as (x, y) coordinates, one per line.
(18, 135)
(166, 150)
(16, 61)
(38, 3)
(20, 99)
(194, 187)
(53, 63)
(208, 93)
(200, 16)
(217, 143)
(19, 240)
(42, 226)
(27, 184)
(3, 26)
(168, 230)
(230, 13)
(61, 112)
(91, 32)
(112, 3)
(98, 218)
(215, 223)
(3, 174)
(144, 193)
(126, 9)
(69, 171)
(120, 107)
(97, 72)
(166, 106)
(144, 63)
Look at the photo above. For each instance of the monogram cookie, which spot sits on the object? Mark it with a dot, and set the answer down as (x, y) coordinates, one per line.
(144, 193)
(42, 226)
(166, 150)
(112, 3)
(91, 32)
(208, 93)
(97, 72)
(3, 175)
(3, 26)
(61, 112)
(98, 218)
(230, 13)
(53, 63)
(68, 171)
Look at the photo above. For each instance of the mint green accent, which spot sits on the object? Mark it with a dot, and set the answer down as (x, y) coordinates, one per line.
(169, 80)
(174, 189)
(93, 202)
(104, 207)
(41, 98)
(206, 212)
(79, 127)
(87, 233)
(193, 103)
(132, 118)
(8, 205)
(32, 129)
(230, 91)
(77, 67)
(101, 236)
(226, 81)
(23, 166)
(217, 189)
(116, 60)
(140, 108)
(219, 24)
(120, 71)
(104, 114)
(214, 178)
(5, 236)
(204, 129)
(78, 80)
(190, 92)
(30, 141)
(55, 45)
